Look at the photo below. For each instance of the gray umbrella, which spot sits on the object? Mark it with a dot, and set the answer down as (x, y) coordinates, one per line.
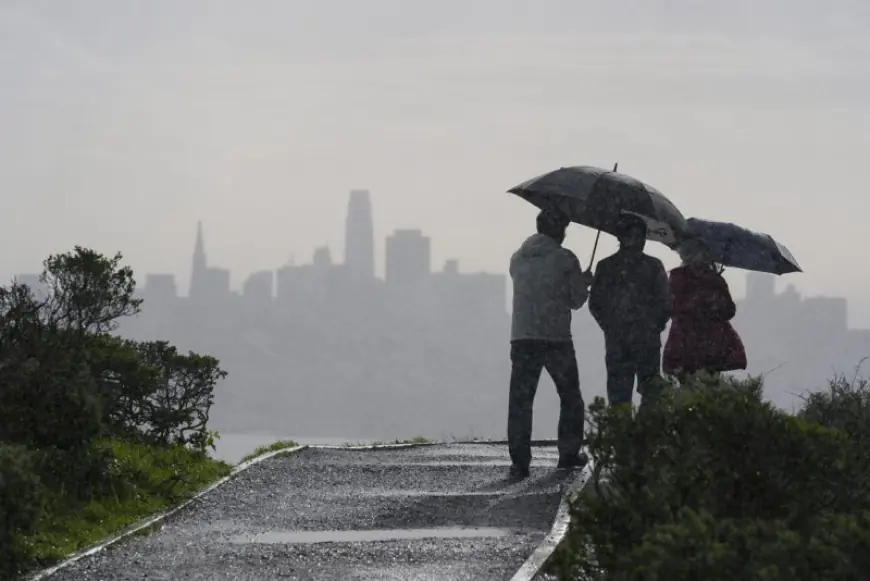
(598, 198)
(737, 247)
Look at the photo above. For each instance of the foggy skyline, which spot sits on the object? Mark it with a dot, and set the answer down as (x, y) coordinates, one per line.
(124, 124)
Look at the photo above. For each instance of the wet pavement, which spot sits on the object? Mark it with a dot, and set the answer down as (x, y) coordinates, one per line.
(441, 512)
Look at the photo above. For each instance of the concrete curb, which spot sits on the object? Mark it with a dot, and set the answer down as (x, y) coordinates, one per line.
(536, 561)
(529, 569)
(375, 447)
(535, 443)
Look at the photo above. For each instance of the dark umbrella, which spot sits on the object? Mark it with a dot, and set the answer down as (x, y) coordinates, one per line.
(599, 198)
(737, 247)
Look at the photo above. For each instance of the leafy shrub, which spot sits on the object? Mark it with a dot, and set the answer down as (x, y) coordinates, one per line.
(21, 505)
(64, 380)
(47, 395)
(845, 405)
(184, 393)
(699, 484)
(699, 546)
(105, 430)
(87, 292)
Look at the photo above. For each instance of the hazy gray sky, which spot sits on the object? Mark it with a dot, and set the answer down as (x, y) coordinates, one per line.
(123, 122)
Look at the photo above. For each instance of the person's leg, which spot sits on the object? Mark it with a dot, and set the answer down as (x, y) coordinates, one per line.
(526, 365)
(561, 364)
(649, 368)
(620, 372)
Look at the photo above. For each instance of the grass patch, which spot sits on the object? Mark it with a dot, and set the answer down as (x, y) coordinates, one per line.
(273, 447)
(142, 480)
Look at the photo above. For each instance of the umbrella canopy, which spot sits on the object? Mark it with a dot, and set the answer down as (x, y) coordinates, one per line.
(737, 247)
(598, 198)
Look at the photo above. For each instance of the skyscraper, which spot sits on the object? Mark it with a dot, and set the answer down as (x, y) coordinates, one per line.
(408, 257)
(359, 238)
(198, 275)
(760, 286)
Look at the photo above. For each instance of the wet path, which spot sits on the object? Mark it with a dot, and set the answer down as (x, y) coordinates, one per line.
(437, 512)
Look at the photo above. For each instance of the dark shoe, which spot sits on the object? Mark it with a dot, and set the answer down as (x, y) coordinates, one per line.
(572, 462)
(517, 473)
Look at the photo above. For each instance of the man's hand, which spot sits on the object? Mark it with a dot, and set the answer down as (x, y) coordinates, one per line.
(588, 277)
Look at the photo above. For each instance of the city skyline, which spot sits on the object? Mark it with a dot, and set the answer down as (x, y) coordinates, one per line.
(360, 244)
(406, 257)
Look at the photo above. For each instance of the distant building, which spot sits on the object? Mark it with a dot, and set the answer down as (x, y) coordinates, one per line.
(408, 260)
(359, 242)
(322, 258)
(760, 287)
(209, 287)
(257, 288)
(826, 317)
(257, 294)
(304, 286)
(160, 288)
(199, 265)
(217, 284)
(470, 295)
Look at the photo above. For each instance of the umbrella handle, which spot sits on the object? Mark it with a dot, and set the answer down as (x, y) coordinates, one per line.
(725, 257)
(594, 248)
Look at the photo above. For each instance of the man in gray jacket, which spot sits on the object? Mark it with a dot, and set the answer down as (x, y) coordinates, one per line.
(548, 283)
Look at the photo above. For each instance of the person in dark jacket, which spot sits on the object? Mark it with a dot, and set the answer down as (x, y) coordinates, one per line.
(548, 283)
(701, 336)
(631, 302)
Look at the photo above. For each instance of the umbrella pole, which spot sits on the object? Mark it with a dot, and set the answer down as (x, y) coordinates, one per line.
(598, 235)
(594, 248)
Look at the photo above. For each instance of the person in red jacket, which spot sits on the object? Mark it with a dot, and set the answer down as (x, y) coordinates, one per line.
(701, 336)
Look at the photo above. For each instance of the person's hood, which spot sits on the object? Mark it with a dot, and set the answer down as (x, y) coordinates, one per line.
(538, 245)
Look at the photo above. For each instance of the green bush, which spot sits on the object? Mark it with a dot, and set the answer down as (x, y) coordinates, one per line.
(151, 392)
(183, 395)
(845, 405)
(700, 546)
(64, 380)
(95, 431)
(699, 484)
(21, 505)
(47, 395)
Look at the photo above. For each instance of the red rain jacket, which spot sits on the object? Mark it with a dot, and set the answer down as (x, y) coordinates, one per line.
(701, 336)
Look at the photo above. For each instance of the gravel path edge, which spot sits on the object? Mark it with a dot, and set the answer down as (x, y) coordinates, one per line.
(538, 559)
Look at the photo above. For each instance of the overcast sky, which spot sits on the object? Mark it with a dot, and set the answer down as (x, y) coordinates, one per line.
(124, 122)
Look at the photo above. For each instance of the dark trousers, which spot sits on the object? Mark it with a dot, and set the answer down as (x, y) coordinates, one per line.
(627, 358)
(528, 358)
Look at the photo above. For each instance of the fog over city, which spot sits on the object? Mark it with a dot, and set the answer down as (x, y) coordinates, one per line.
(315, 192)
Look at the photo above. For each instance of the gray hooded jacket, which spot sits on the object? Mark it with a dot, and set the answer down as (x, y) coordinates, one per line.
(548, 285)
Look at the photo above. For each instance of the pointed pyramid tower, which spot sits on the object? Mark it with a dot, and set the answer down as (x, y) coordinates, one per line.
(199, 265)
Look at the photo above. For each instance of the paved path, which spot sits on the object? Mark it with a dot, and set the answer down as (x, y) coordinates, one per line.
(350, 515)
